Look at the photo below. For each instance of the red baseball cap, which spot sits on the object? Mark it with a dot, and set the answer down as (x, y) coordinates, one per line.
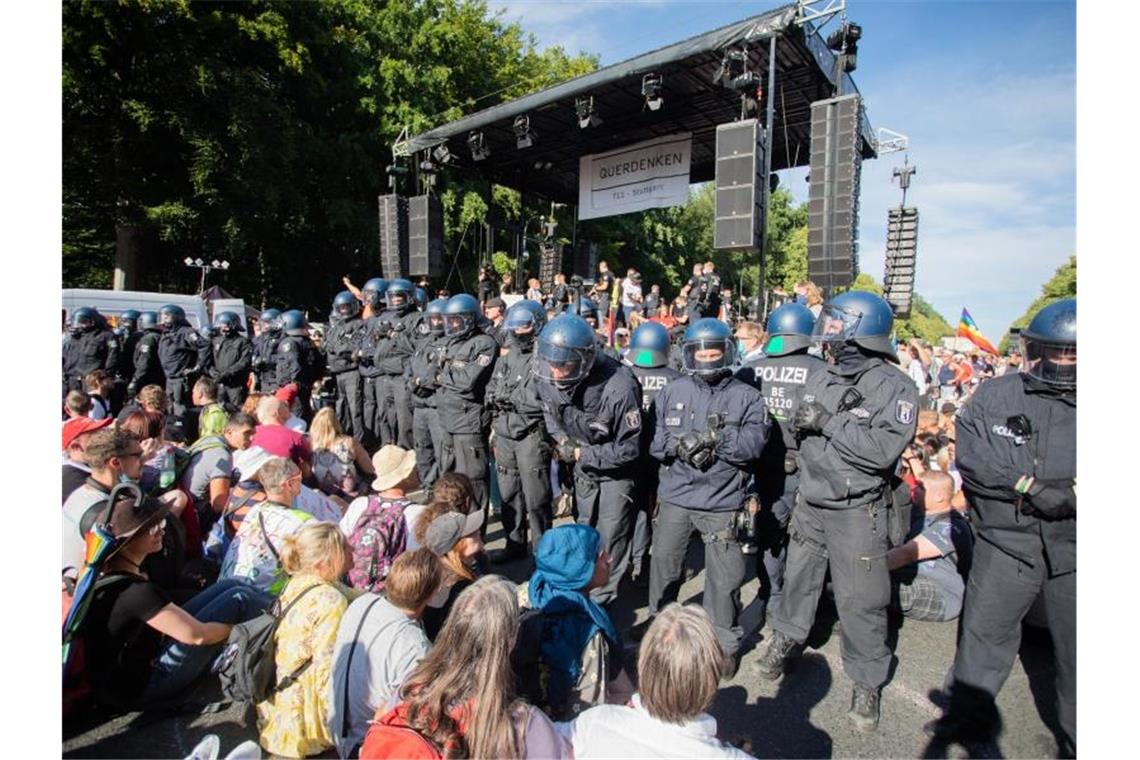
(77, 426)
(287, 393)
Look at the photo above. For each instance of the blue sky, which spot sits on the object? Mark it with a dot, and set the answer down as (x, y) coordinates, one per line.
(986, 92)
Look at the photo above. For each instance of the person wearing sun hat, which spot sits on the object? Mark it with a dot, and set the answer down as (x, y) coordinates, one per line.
(396, 476)
(140, 646)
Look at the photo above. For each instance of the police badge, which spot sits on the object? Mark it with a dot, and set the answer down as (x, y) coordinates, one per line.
(904, 412)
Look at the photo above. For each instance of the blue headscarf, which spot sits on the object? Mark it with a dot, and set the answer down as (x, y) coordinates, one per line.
(564, 564)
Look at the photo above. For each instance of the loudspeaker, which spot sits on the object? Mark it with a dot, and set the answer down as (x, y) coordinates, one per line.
(902, 249)
(425, 236)
(549, 265)
(393, 236)
(833, 199)
(585, 260)
(739, 212)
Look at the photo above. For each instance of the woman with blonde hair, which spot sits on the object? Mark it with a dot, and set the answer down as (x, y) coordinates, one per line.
(340, 463)
(814, 298)
(292, 722)
(460, 698)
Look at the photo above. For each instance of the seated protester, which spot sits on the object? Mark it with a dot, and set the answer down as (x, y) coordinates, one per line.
(679, 669)
(460, 699)
(255, 552)
(206, 477)
(568, 656)
(455, 539)
(140, 646)
(150, 398)
(288, 395)
(379, 643)
(451, 488)
(77, 404)
(99, 385)
(280, 441)
(292, 722)
(340, 462)
(211, 415)
(76, 433)
(925, 570)
(159, 456)
(252, 401)
(375, 524)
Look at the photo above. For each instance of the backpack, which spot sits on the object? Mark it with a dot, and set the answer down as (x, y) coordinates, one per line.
(379, 536)
(390, 735)
(247, 667)
(77, 688)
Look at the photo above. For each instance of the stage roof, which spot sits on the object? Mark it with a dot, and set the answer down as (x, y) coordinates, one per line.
(692, 104)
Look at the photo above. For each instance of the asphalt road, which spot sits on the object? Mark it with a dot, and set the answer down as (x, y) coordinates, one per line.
(803, 715)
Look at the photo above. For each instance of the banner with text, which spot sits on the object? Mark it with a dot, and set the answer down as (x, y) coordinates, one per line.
(650, 174)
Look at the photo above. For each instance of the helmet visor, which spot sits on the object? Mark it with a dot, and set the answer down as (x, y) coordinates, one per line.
(346, 310)
(835, 325)
(1051, 363)
(435, 323)
(457, 324)
(562, 366)
(700, 357)
(520, 321)
(397, 299)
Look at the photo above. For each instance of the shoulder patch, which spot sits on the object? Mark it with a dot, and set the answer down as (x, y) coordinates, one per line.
(286, 347)
(484, 360)
(144, 348)
(633, 419)
(904, 411)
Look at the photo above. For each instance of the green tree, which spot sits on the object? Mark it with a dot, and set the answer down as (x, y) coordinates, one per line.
(1062, 285)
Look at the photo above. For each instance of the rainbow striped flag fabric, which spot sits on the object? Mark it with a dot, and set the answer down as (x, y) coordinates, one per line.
(968, 329)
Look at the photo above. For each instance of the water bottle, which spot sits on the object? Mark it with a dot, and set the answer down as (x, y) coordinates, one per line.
(165, 465)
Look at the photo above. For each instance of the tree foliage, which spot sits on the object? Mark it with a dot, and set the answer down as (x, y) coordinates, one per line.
(924, 321)
(1062, 285)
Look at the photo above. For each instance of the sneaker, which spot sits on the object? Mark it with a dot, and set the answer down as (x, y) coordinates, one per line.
(771, 664)
(864, 710)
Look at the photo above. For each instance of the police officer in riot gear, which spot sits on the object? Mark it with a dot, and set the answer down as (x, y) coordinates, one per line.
(1016, 452)
(264, 350)
(184, 354)
(89, 346)
(373, 294)
(371, 378)
(232, 360)
(522, 452)
(340, 355)
(781, 375)
(465, 366)
(648, 358)
(394, 348)
(588, 310)
(298, 361)
(127, 331)
(592, 406)
(427, 432)
(854, 422)
(147, 368)
(421, 298)
(709, 430)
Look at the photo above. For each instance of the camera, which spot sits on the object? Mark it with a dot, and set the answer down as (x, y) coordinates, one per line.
(745, 527)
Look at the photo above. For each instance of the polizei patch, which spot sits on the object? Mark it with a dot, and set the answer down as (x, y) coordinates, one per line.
(904, 412)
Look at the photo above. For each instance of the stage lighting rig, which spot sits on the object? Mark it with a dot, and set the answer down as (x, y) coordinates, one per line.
(442, 154)
(587, 114)
(845, 41)
(651, 91)
(524, 135)
(477, 143)
(733, 72)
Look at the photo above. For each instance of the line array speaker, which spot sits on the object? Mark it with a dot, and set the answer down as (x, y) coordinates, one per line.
(739, 212)
(425, 236)
(549, 265)
(833, 200)
(902, 250)
(393, 236)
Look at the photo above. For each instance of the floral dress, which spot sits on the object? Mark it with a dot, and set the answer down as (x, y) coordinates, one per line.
(292, 722)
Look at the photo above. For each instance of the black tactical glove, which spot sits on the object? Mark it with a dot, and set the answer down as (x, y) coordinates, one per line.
(132, 389)
(811, 417)
(565, 450)
(696, 449)
(1051, 499)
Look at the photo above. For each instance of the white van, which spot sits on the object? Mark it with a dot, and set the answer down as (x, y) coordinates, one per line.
(112, 303)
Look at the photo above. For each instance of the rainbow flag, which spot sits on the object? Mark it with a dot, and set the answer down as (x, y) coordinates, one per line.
(969, 330)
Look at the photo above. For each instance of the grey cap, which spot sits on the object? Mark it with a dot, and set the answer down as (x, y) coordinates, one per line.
(446, 530)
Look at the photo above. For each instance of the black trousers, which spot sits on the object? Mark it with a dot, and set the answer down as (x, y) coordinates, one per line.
(397, 417)
(523, 467)
(350, 404)
(853, 542)
(607, 505)
(772, 533)
(724, 566)
(231, 397)
(178, 393)
(427, 435)
(372, 392)
(466, 453)
(999, 593)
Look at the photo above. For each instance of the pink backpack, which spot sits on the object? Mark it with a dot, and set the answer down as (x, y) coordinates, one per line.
(379, 536)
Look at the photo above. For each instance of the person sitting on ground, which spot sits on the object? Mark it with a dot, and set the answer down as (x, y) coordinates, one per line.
(211, 415)
(451, 488)
(455, 539)
(288, 396)
(77, 404)
(207, 476)
(340, 462)
(255, 552)
(925, 570)
(140, 646)
(76, 434)
(379, 642)
(252, 401)
(292, 722)
(569, 655)
(375, 524)
(99, 384)
(679, 670)
(150, 398)
(460, 699)
(159, 457)
(280, 441)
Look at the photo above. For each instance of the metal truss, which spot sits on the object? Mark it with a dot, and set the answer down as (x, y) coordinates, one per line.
(818, 11)
(889, 141)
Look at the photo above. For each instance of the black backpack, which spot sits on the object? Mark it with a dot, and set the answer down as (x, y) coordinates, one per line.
(247, 667)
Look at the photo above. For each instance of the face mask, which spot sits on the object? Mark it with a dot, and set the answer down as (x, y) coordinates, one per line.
(740, 349)
(124, 478)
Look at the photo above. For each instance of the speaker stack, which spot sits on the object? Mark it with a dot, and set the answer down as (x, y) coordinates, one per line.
(739, 216)
(833, 201)
(549, 265)
(393, 236)
(425, 236)
(902, 245)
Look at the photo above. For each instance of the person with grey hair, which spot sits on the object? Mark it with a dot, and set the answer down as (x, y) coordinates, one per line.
(679, 669)
(279, 440)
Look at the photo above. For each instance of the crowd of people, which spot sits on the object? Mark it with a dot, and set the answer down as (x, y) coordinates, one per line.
(236, 475)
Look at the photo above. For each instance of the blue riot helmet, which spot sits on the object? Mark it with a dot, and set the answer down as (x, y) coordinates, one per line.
(227, 323)
(345, 305)
(460, 315)
(270, 320)
(566, 351)
(399, 294)
(171, 316)
(434, 315)
(129, 321)
(789, 329)
(421, 298)
(649, 346)
(707, 348)
(373, 292)
(84, 319)
(1049, 345)
(524, 321)
(148, 320)
(586, 309)
(860, 318)
(293, 323)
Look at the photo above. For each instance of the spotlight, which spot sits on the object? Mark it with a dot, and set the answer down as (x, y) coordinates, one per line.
(442, 154)
(427, 167)
(524, 136)
(733, 72)
(587, 115)
(845, 41)
(651, 91)
(198, 262)
(477, 143)
(188, 261)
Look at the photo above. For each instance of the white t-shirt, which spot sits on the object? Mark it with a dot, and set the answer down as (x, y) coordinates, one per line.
(74, 545)
(630, 293)
(412, 514)
(918, 374)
